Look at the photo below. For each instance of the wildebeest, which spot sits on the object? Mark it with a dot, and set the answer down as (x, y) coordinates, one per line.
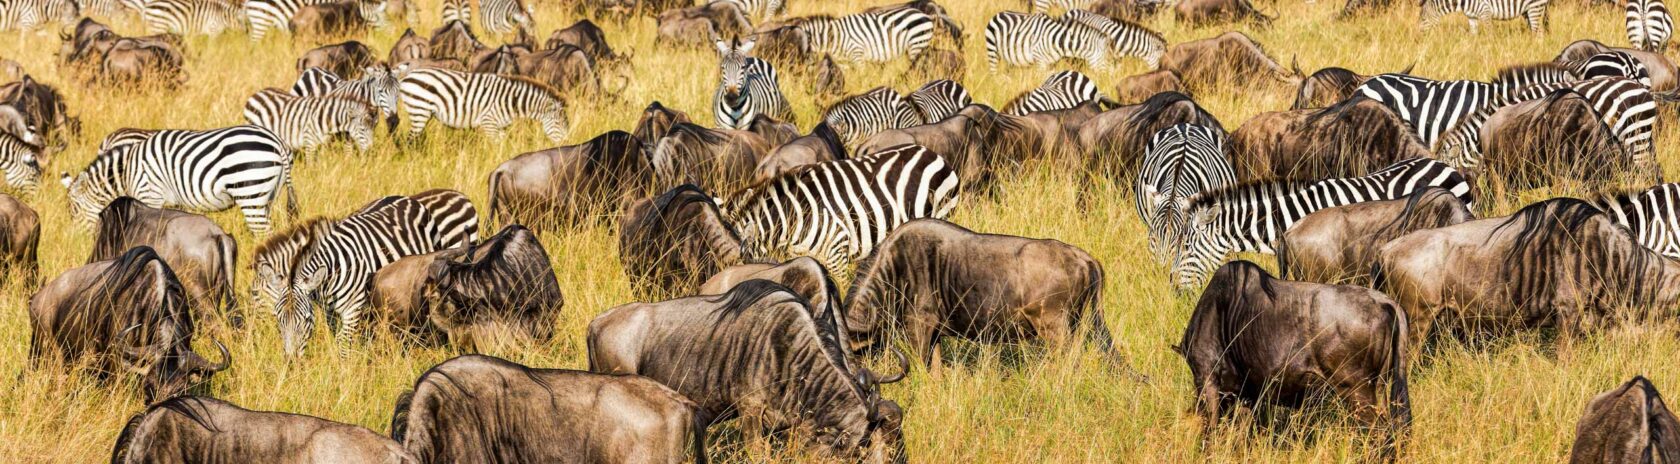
(821, 145)
(1232, 57)
(197, 250)
(787, 369)
(409, 47)
(964, 140)
(586, 36)
(20, 233)
(577, 184)
(655, 122)
(503, 60)
(1327, 87)
(720, 160)
(502, 286)
(476, 408)
(337, 18)
(98, 55)
(566, 68)
(697, 25)
(931, 279)
(827, 81)
(1200, 13)
(1561, 136)
(1559, 262)
(1113, 143)
(1338, 245)
(936, 63)
(14, 125)
(130, 315)
(1352, 138)
(1254, 339)
(42, 110)
(804, 275)
(1665, 77)
(670, 243)
(1629, 424)
(185, 428)
(454, 42)
(345, 60)
(1138, 88)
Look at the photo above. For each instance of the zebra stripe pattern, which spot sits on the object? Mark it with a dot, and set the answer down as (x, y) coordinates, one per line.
(457, 10)
(504, 16)
(1614, 64)
(1063, 90)
(1045, 6)
(747, 87)
(1653, 215)
(304, 123)
(1648, 24)
(20, 164)
(1432, 107)
(759, 9)
(211, 170)
(208, 17)
(125, 136)
(859, 116)
(1020, 39)
(937, 100)
(1124, 37)
(487, 102)
(871, 37)
(837, 211)
(1180, 162)
(266, 15)
(1481, 10)
(30, 14)
(1251, 217)
(315, 82)
(1624, 105)
(379, 86)
(453, 215)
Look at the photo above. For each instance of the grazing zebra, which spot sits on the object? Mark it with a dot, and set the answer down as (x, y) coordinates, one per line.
(1063, 90)
(334, 269)
(20, 165)
(1020, 39)
(1124, 38)
(1481, 10)
(30, 14)
(379, 86)
(759, 10)
(1650, 214)
(1613, 64)
(487, 102)
(125, 136)
(262, 16)
(747, 87)
(937, 100)
(1180, 162)
(505, 16)
(208, 17)
(870, 37)
(210, 170)
(1648, 24)
(457, 10)
(1250, 217)
(837, 211)
(1431, 107)
(1625, 106)
(304, 123)
(859, 116)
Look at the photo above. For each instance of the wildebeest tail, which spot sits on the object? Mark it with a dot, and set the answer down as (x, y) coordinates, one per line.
(495, 184)
(399, 416)
(701, 420)
(229, 252)
(119, 452)
(1096, 329)
(1399, 398)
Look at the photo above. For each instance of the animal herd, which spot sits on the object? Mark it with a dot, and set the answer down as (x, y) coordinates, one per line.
(773, 263)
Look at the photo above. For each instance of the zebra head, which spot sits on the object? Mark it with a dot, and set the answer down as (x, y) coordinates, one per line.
(552, 114)
(22, 169)
(94, 188)
(1165, 217)
(295, 312)
(732, 65)
(1200, 250)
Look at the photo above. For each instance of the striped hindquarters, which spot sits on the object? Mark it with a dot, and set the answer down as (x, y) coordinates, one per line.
(859, 116)
(1431, 107)
(457, 10)
(315, 82)
(1648, 24)
(267, 15)
(1020, 39)
(1125, 38)
(871, 37)
(1180, 162)
(189, 16)
(454, 216)
(1653, 215)
(211, 170)
(1063, 90)
(504, 16)
(937, 100)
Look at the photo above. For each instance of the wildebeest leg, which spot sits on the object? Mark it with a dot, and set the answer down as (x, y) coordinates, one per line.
(1208, 407)
(1359, 396)
(920, 330)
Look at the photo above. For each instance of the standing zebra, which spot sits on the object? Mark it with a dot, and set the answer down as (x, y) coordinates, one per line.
(208, 17)
(304, 123)
(378, 87)
(1251, 217)
(870, 37)
(19, 164)
(125, 136)
(1481, 10)
(30, 14)
(1124, 37)
(1044, 6)
(837, 211)
(747, 87)
(314, 82)
(1063, 90)
(487, 102)
(265, 15)
(1653, 215)
(1020, 39)
(1432, 107)
(1180, 162)
(859, 116)
(505, 16)
(1648, 24)
(937, 100)
(210, 170)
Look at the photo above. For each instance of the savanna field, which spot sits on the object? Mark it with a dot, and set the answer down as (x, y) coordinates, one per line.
(1513, 400)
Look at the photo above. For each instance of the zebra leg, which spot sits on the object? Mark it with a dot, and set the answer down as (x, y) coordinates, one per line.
(417, 119)
(255, 208)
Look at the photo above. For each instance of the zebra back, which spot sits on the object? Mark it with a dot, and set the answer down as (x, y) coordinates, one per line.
(1063, 90)
(1653, 215)
(264, 15)
(1125, 38)
(1431, 107)
(124, 136)
(190, 16)
(859, 116)
(1020, 39)
(479, 100)
(455, 217)
(874, 36)
(939, 99)
(315, 82)
(1614, 64)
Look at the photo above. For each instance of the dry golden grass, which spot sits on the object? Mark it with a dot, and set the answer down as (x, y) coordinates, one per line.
(1514, 401)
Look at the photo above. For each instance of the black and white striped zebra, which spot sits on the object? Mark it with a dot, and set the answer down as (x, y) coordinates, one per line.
(1481, 10)
(30, 14)
(268, 15)
(1021, 39)
(379, 86)
(19, 164)
(759, 10)
(1613, 64)
(1653, 215)
(1045, 6)
(487, 102)
(125, 136)
(211, 170)
(505, 16)
(1431, 107)
(1648, 24)
(1251, 217)
(938, 99)
(1180, 162)
(1125, 38)
(747, 87)
(1063, 90)
(304, 123)
(1625, 106)
(859, 116)
(837, 211)
(870, 37)
(457, 10)
(209, 17)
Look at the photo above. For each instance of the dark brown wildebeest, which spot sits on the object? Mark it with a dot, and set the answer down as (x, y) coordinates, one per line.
(961, 139)
(578, 184)
(827, 81)
(1327, 87)
(773, 130)
(931, 279)
(336, 19)
(194, 426)
(821, 145)
(1113, 143)
(504, 286)
(698, 25)
(503, 60)
(1630, 424)
(197, 250)
(1665, 77)
(1138, 88)
(345, 60)
(1230, 58)
(1201, 13)
(714, 159)
(804, 275)
(1353, 138)
(1534, 143)
(130, 315)
(566, 68)
(410, 47)
(936, 63)
(1254, 339)
(586, 36)
(655, 122)
(669, 244)
(477, 408)
(1338, 245)
(800, 381)
(454, 42)
(20, 234)
(42, 109)
(1559, 262)
(1130, 10)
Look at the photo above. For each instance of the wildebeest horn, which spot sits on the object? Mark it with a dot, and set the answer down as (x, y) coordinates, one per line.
(227, 359)
(1408, 69)
(903, 368)
(1294, 65)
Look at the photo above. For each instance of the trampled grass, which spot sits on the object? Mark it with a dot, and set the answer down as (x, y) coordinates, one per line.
(1513, 401)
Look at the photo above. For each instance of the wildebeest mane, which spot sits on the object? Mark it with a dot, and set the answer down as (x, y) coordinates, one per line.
(704, 135)
(112, 222)
(196, 412)
(1536, 220)
(1408, 212)
(1151, 109)
(1662, 425)
(830, 139)
(746, 294)
(127, 274)
(1229, 286)
(611, 154)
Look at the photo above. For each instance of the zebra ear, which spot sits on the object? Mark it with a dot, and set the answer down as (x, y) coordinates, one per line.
(723, 47)
(747, 43)
(64, 178)
(1151, 195)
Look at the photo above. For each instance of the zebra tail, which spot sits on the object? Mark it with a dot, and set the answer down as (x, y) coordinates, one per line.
(291, 196)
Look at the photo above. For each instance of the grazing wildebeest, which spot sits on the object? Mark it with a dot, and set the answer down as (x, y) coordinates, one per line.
(586, 36)
(1629, 424)
(827, 81)
(1232, 57)
(130, 315)
(197, 250)
(409, 47)
(1561, 136)
(397, 289)
(1113, 143)
(566, 68)
(14, 125)
(936, 63)
(804, 275)
(42, 109)
(1352, 138)
(1254, 339)
(1327, 87)
(1559, 262)
(655, 122)
(669, 244)
(345, 60)
(1665, 77)
(503, 286)
(697, 25)
(1200, 13)
(337, 19)
(1338, 245)
(821, 145)
(800, 381)
(715, 159)
(477, 408)
(578, 184)
(454, 42)
(774, 131)
(185, 428)
(1138, 88)
(931, 279)
(20, 233)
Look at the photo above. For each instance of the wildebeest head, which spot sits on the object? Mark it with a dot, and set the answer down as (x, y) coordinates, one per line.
(656, 121)
(158, 345)
(732, 64)
(883, 440)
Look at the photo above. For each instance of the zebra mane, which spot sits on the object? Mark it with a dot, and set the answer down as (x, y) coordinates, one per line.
(306, 232)
(1208, 198)
(1536, 72)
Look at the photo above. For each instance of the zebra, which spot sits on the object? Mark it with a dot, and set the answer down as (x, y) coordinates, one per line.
(125, 136)
(1250, 217)
(837, 211)
(505, 16)
(20, 164)
(859, 116)
(208, 17)
(1180, 161)
(379, 86)
(1648, 24)
(1649, 214)
(1431, 107)
(31, 14)
(1045, 6)
(1625, 106)
(487, 102)
(314, 82)
(304, 123)
(1125, 38)
(265, 15)
(1481, 10)
(209, 170)
(457, 10)
(1613, 64)
(759, 9)
(747, 87)
(937, 100)
(1021, 39)
(1063, 90)
(870, 37)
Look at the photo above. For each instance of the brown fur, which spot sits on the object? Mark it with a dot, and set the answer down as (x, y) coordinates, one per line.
(326, 21)
(1536, 142)
(696, 26)
(345, 59)
(1338, 245)
(1203, 13)
(715, 159)
(577, 184)
(20, 234)
(410, 47)
(1665, 77)
(1629, 424)
(196, 426)
(454, 42)
(1230, 58)
(671, 243)
(1136, 89)
(199, 251)
(1353, 138)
